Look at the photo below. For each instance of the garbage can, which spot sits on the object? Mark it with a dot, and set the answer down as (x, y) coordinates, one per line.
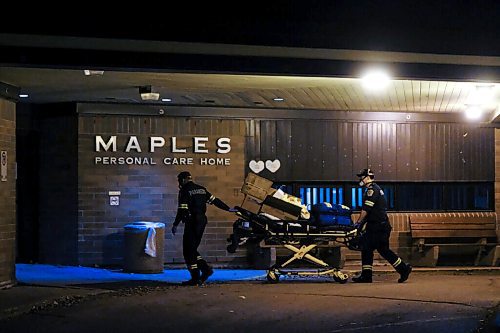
(144, 243)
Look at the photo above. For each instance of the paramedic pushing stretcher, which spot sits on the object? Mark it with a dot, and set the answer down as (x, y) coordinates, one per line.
(193, 200)
(373, 221)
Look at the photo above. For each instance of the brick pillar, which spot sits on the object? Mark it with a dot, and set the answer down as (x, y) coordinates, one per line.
(497, 177)
(8, 194)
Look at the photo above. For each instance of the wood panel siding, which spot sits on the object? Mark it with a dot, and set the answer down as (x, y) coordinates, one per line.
(334, 151)
(284, 146)
(389, 149)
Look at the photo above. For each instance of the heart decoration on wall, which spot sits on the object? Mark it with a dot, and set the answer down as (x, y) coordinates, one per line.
(256, 166)
(273, 166)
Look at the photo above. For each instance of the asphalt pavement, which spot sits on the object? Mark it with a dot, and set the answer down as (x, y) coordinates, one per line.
(78, 299)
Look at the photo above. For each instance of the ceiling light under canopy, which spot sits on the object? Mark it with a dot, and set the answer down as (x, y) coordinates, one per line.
(473, 112)
(375, 80)
(147, 94)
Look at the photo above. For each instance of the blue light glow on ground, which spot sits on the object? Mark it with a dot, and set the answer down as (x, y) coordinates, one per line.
(68, 275)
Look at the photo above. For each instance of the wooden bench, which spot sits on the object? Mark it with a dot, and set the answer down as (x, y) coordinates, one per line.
(462, 234)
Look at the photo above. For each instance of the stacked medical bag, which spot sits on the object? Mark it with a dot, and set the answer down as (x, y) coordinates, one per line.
(326, 214)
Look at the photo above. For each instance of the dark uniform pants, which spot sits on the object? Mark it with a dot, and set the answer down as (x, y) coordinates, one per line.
(193, 232)
(377, 239)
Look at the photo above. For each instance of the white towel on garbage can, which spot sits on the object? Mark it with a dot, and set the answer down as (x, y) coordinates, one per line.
(150, 248)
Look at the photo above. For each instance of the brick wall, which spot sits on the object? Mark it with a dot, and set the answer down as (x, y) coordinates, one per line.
(8, 194)
(497, 177)
(149, 192)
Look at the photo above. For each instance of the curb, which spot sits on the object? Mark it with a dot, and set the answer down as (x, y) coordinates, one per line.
(50, 302)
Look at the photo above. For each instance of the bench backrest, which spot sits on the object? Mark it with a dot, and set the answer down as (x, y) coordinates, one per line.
(450, 226)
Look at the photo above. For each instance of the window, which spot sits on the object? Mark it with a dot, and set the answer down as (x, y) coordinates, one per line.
(409, 196)
(419, 196)
(468, 197)
(311, 195)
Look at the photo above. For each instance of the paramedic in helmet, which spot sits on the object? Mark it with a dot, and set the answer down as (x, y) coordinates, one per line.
(373, 221)
(193, 199)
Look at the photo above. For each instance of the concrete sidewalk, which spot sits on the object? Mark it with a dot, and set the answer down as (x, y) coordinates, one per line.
(76, 275)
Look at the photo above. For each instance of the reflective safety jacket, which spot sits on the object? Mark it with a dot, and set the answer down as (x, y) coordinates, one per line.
(375, 205)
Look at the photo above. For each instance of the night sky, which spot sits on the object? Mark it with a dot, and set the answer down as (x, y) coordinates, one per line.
(456, 27)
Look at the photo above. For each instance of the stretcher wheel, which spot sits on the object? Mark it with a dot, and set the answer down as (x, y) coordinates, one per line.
(272, 276)
(340, 277)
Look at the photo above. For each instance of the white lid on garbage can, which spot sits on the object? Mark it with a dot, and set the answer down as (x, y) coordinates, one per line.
(143, 226)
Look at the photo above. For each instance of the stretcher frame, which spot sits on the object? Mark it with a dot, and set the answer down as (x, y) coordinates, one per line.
(300, 241)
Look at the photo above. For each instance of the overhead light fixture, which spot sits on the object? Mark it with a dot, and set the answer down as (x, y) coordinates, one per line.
(278, 99)
(166, 100)
(147, 94)
(473, 112)
(375, 80)
(23, 95)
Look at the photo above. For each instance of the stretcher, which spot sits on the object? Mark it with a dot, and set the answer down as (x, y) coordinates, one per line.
(300, 237)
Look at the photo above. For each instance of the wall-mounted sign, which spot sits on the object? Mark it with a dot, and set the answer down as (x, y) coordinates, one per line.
(132, 145)
(114, 201)
(114, 198)
(3, 165)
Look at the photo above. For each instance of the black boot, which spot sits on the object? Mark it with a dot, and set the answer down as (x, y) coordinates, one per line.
(364, 277)
(195, 278)
(206, 270)
(206, 273)
(404, 270)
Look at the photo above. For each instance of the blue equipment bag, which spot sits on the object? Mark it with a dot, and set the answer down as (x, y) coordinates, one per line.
(325, 214)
